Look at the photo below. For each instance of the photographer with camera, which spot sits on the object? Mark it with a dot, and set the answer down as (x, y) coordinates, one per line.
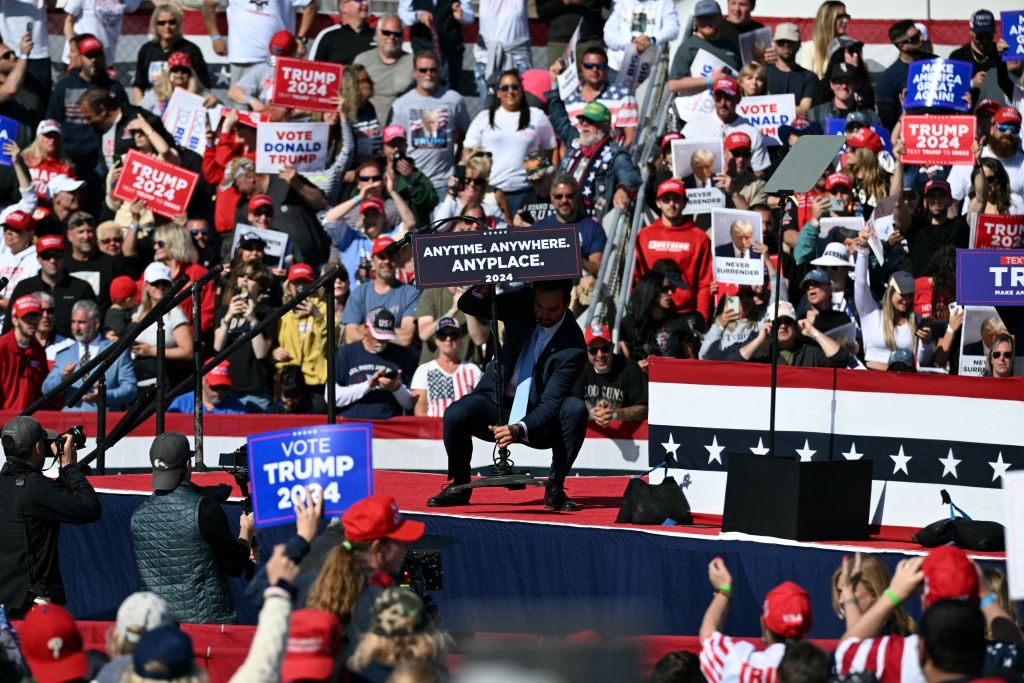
(184, 548)
(32, 507)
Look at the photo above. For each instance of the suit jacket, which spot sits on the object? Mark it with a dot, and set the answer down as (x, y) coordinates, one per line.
(556, 369)
(120, 378)
(728, 250)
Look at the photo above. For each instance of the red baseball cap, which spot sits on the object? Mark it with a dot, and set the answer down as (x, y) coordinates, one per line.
(378, 517)
(52, 645)
(669, 137)
(314, 640)
(991, 106)
(728, 85)
(938, 184)
(738, 140)
(20, 221)
(865, 137)
(301, 272)
(371, 203)
(672, 186)
(49, 243)
(787, 611)
(283, 43)
(597, 331)
(837, 179)
(380, 244)
(1007, 115)
(220, 376)
(26, 305)
(258, 201)
(179, 59)
(949, 575)
(122, 287)
(90, 44)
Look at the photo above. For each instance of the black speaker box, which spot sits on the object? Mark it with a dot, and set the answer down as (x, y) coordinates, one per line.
(802, 501)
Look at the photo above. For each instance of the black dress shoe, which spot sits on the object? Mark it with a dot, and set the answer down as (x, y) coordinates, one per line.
(448, 498)
(555, 498)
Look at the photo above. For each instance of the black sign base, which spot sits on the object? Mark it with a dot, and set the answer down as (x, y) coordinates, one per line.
(512, 482)
(802, 501)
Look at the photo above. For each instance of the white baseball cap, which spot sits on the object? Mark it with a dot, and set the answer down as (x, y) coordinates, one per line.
(140, 612)
(62, 183)
(157, 272)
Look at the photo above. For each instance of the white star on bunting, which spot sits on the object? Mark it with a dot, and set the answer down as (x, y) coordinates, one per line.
(852, 454)
(900, 462)
(805, 453)
(759, 449)
(999, 467)
(715, 451)
(949, 464)
(671, 446)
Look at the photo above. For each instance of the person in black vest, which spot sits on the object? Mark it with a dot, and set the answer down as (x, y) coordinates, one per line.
(32, 507)
(542, 358)
(184, 549)
(437, 25)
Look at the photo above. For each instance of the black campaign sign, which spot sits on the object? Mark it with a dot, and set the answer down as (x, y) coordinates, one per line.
(450, 259)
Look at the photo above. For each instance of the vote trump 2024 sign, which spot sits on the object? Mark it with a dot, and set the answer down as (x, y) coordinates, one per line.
(311, 86)
(333, 461)
(164, 187)
(938, 140)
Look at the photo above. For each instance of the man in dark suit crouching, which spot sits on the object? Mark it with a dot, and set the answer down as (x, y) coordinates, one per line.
(542, 357)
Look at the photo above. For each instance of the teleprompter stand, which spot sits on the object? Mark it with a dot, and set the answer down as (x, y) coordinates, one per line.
(775, 495)
(436, 266)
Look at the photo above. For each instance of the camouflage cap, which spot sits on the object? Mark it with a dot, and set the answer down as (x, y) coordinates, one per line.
(398, 612)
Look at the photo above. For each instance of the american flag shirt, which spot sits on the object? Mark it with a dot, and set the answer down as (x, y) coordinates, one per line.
(444, 389)
(724, 660)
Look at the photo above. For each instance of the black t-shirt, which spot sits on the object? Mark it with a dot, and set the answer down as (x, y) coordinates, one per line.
(249, 375)
(664, 339)
(623, 386)
(98, 271)
(924, 239)
(536, 206)
(801, 82)
(340, 44)
(152, 57)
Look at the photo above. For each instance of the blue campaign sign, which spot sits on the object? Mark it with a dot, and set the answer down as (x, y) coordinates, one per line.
(938, 83)
(335, 461)
(1011, 25)
(990, 277)
(8, 133)
(838, 127)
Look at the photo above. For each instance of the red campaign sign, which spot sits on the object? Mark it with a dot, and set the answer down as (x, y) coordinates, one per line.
(943, 140)
(249, 118)
(164, 187)
(301, 84)
(999, 232)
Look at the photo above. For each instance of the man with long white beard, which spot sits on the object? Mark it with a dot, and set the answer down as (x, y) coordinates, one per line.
(1003, 140)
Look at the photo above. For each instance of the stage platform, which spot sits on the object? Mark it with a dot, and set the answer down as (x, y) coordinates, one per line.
(517, 568)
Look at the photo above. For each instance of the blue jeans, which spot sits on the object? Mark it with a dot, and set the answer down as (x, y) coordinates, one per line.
(521, 60)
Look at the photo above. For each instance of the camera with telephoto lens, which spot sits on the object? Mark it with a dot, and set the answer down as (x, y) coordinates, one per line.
(77, 434)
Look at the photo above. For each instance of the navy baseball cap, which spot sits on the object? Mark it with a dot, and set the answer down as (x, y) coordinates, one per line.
(164, 654)
(815, 276)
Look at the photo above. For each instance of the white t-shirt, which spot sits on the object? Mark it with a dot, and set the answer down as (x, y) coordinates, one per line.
(17, 267)
(102, 18)
(252, 23)
(509, 145)
(656, 19)
(15, 15)
(173, 319)
(502, 22)
(724, 660)
(444, 389)
(960, 176)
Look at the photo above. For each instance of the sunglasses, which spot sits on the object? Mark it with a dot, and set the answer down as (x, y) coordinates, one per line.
(594, 65)
(8, 55)
(479, 182)
(842, 16)
(594, 350)
(431, 70)
(160, 244)
(1008, 128)
(996, 355)
(668, 289)
(46, 311)
(910, 40)
(196, 232)
(444, 336)
(166, 22)
(51, 255)
(181, 70)
(370, 178)
(507, 87)
(112, 240)
(391, 34)
(742, 153)
(567, 195)
(266, 213)
(482, 153)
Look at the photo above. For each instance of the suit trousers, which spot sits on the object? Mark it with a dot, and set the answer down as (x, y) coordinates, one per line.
(471, 415)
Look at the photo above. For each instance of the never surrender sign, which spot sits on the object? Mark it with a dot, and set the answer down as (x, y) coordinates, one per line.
(164, 187)
(333, 461)
(998, 232)
(302, 145)
(938, 83)
(451, 259)
(987, 277)
(938, 140)
(310, 86)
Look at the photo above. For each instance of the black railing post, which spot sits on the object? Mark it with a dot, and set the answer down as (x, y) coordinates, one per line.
(197, 367)
(161, 349)
(101, 424)
(332, 349)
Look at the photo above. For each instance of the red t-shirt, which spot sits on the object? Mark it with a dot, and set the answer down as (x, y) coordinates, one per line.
(46, 169)
(22, 372)
(689, 247)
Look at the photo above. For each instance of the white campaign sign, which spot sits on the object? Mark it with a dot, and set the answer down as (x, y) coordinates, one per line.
(730, 268)
(277, 242)
(705, 64)
(302, 145)
(690, 107)
(185, 120)
(768, 113)
(569, 79)
(635, 68)
(703, 200)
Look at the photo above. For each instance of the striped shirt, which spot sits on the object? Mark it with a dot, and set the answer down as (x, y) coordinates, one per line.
(619, 100)
(724, 660)
(444, 389)
(893, 659)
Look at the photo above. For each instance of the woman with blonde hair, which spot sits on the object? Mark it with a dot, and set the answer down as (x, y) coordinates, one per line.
(173, 247)
(177, 332)
(165, 26)
(870, 182)
(45, 157)
(177, 73)
(999, 361)
(753, 80)
(359, 112)
(857, 584)
(831, 21)
(401, 631)
(475, 189)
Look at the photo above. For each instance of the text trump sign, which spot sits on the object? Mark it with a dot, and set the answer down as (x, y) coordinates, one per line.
(164, 187)
(943, 140)
(333, 461)
(990, 277)
(312, 86)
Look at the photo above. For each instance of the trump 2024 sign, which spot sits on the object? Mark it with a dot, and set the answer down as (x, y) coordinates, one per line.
(990, 277)
(333, 461)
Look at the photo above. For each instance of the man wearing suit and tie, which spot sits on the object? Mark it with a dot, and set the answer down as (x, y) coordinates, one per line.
(120, 377)
(542, 357)
(741, 237)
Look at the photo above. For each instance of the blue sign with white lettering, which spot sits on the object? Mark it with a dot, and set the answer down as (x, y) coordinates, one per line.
(938, 83)
(990, 277)
(334, 461)
(8, 133)
(1011, 25)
